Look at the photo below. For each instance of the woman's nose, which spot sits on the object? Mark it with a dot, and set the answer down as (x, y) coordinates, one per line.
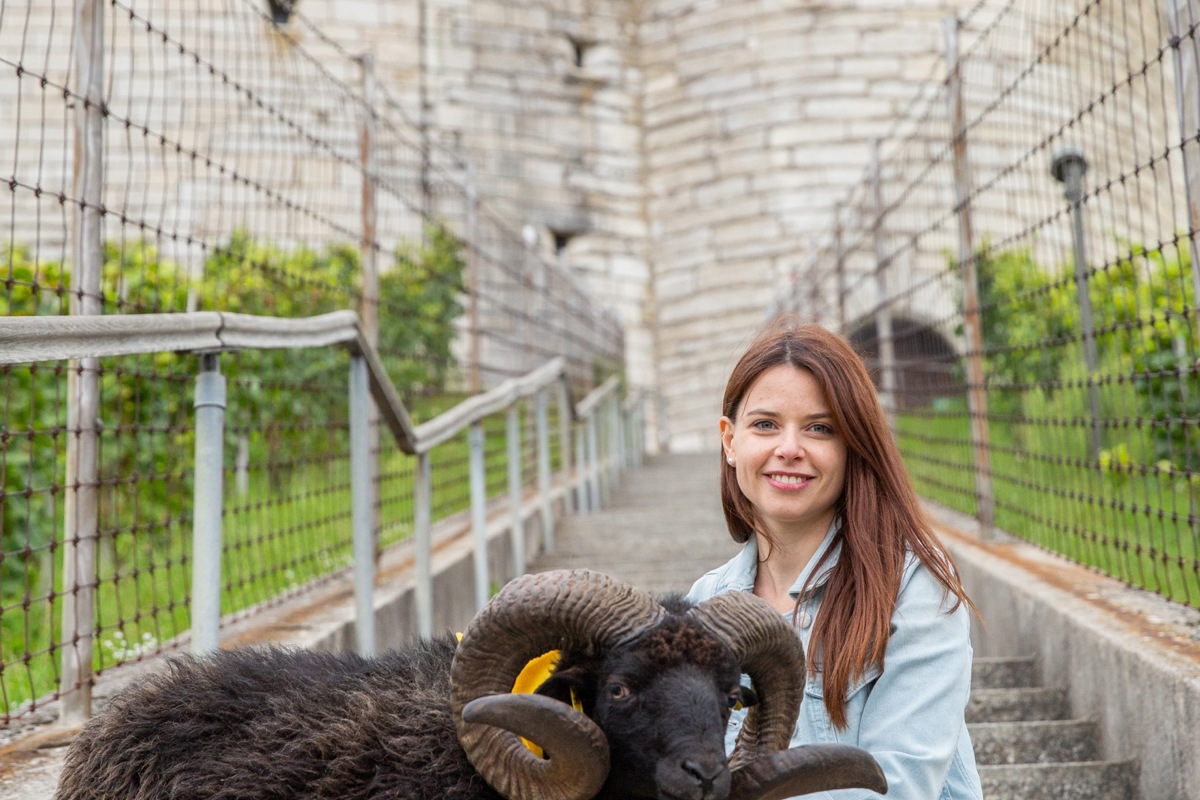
(789, 446)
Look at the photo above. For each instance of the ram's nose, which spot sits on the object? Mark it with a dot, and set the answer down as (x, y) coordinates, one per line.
(694, 778)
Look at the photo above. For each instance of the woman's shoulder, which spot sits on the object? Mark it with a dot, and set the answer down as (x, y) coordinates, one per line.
(736, 574)
(919, 586)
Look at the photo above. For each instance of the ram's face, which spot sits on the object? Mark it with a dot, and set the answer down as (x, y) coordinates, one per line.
(663, 702)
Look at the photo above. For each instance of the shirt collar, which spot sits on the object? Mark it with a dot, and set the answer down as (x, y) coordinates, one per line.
(827, 544)
(744, 567)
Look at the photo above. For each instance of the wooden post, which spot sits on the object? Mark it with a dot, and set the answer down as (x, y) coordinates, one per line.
(883, 314)
(985, 503)
(839, 265)
(369, 302)
(80, 502)
(474, 376)
(1183, 15)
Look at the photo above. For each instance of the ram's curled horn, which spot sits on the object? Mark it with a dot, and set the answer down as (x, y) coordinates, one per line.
(807, 769)
(772, 654)
(563, 609)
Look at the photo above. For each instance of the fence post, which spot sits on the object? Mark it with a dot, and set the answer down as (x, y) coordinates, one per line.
(616, 454)
(423, 544)
(543, 470)
(581, 489)
(639, 432)
(985, 501)
(1068, 168)
(839, 266)
(883, 314)
(516, 486)
(361, 513)
(369, 301)
(593, 461)
(80, 504)
(564, 436)
(475, 379)
(475, 443)
(1181, 15)
(207, 506)
(625, 413)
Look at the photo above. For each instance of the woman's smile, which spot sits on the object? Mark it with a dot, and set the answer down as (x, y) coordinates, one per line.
(788, 482)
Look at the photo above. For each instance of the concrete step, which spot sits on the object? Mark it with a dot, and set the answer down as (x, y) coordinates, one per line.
(1092, 780)
(1016, 705)
(1004, 673)
(1039, 742)
(665, 528)
(1026, 747)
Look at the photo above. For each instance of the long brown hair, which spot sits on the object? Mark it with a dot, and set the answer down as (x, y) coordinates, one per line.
(881, 518)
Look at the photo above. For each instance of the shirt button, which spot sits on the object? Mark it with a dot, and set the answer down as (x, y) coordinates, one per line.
(803, 619)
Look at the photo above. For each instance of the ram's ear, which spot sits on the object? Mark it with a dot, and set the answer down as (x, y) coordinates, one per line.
(749, 697)
(575, 686)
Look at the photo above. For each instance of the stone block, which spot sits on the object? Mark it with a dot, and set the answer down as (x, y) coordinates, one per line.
(848, 108)
(721, 192)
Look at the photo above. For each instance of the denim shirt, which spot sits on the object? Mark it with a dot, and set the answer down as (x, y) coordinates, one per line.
(910, 715)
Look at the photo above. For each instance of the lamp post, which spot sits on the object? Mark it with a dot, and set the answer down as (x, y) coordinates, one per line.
(1068, 167)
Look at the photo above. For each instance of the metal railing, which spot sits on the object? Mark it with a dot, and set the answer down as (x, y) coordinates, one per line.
(609, 427)
(1019, 265)
(171, 158)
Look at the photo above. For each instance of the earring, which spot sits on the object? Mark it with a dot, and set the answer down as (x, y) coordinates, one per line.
(730, 460)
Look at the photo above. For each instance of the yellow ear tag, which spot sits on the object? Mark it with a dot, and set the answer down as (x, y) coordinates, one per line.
(535, 673)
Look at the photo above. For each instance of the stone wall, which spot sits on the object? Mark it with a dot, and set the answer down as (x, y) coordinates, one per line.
(758, 118)
(681, 157)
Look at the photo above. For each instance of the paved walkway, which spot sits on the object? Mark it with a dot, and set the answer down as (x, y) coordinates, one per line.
(661, 530)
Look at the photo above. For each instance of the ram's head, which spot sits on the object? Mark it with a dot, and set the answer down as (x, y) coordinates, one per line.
(656, 682)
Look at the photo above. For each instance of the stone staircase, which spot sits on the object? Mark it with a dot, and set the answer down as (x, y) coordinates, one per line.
(1026, 747)
(664, 528)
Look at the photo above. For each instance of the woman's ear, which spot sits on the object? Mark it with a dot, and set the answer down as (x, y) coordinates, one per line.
(726, 426)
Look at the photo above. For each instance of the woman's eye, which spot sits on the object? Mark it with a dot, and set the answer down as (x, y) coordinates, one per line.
(763, 425)
(822, 428)
(618, 691)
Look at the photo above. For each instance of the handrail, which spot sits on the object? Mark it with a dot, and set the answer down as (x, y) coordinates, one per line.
(28, 339)
(57, 338)
(595, 397)
(209, 333)
(446, 425)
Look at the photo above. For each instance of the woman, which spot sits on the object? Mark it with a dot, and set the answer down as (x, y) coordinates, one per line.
(813, 484)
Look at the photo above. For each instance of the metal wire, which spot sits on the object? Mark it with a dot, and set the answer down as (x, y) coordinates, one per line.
(1086, 441)
(254, 168)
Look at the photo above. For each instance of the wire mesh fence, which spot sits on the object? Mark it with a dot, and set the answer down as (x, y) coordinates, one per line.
(1017, 264)
(174, 157)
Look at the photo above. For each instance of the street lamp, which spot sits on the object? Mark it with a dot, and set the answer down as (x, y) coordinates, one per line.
(1068, 166)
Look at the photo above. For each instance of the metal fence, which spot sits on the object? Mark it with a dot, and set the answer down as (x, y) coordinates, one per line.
(1017, 264)
(174, 157)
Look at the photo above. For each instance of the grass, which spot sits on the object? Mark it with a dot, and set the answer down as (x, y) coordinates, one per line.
(1135, 527)
(284, 530)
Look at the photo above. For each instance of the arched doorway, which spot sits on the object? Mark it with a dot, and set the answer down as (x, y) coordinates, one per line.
(928, 370)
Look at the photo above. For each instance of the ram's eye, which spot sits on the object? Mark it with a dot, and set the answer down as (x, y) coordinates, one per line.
(735, 701)
(618, 691)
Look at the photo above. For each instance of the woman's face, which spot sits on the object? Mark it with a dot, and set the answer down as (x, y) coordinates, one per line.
(789, 459)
